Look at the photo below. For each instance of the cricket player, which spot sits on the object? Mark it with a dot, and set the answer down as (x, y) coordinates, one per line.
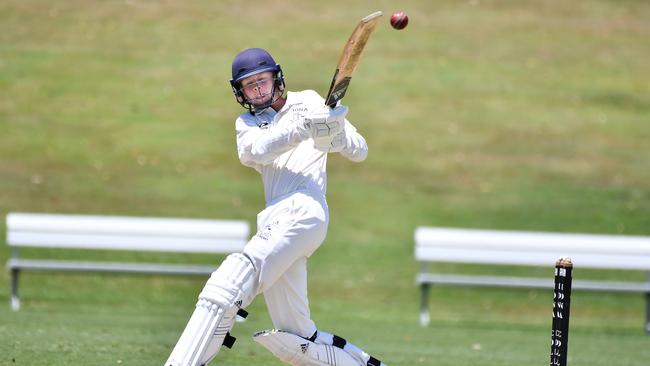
(287, 140)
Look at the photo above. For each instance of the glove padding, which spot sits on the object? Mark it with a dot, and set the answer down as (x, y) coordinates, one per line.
(333, 144)
(324, 123)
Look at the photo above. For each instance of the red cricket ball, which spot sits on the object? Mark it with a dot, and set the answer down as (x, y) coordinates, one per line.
(399, 20)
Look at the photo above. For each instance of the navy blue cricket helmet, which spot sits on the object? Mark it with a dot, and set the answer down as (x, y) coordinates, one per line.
(253, 61)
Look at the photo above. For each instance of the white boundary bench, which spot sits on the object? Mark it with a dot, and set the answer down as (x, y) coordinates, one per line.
(529, 249)
(117, 233)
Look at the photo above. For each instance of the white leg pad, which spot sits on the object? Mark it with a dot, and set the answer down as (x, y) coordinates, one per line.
(230, 287)
(197, 334)
(356, 352)
(298, 351)
(218, 336)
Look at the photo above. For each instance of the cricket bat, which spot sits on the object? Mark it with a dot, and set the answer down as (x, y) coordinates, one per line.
(350, 58)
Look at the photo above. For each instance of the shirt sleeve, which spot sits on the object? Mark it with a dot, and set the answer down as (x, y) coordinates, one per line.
(260, 146)
(356, 148)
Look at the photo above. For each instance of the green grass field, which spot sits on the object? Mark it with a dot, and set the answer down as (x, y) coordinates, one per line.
(530, 115)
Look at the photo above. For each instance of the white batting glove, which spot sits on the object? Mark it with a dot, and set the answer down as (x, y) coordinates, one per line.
(332, 144)
(325, 123)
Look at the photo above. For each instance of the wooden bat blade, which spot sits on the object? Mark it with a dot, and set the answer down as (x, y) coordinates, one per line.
(350, 57)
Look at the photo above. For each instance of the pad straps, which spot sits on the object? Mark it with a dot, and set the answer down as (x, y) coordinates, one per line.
(229, 340)
(320, 337)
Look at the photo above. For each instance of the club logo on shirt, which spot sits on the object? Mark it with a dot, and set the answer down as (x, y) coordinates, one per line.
(265, 233)
(262, 121)
(299, 112)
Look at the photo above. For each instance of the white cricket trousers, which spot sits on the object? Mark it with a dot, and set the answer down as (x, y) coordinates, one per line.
(289, 230)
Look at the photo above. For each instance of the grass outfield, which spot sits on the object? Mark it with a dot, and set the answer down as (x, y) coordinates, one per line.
(510, 115)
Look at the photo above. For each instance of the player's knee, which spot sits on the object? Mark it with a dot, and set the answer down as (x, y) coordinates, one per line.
(233, 283)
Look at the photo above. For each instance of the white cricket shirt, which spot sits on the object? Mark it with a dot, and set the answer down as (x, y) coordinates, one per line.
(270, 143)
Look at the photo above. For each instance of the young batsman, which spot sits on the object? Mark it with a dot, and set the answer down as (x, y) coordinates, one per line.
(287, 140)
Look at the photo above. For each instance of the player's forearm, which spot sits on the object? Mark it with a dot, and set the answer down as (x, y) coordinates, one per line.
(270, 146)
(264, 148)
